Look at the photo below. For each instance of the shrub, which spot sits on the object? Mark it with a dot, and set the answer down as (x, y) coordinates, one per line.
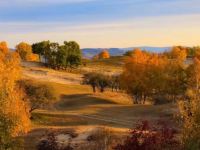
(146, 137)
(48, 144)
(190, 115)
(39, 95)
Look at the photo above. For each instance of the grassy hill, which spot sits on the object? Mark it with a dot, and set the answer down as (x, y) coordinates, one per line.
(78, 109)
(111, 66)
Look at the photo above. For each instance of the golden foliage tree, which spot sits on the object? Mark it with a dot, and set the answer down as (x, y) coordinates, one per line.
(149, 75)
(193, 72)
(14, 115)
(189, 109)
(190, 114)
(32, 57)
(135, 77)
(104, 55)
(24, 50)
(179, 53)
(3, 47)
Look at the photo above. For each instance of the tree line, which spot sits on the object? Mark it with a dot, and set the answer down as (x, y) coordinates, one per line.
(18, 98)
(149, 76)
(67, 55)
(161, 77)
(59, 56)
(101, 81)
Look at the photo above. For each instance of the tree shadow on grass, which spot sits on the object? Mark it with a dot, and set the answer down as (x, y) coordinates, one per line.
(75, 101)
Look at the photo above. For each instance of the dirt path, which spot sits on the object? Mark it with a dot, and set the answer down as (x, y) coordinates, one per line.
(36, 71)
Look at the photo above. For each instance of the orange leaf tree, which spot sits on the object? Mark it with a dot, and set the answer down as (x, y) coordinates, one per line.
(14, 115)
(149, 75)
(104, 55)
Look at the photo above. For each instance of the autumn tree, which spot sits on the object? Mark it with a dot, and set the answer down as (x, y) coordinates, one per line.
(104, 55)
(14, 115)
(190, 114)
(24, 50)
(134, 75)
(193, 52)
(193, 75)
(176, 79)
(178, 53)
(189, 109)
(3, 47)
(150, 76)
(131, 52)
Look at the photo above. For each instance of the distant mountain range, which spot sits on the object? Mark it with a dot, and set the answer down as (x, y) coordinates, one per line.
(90, 52)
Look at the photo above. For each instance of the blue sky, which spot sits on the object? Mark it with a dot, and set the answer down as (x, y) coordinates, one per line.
(102, 23)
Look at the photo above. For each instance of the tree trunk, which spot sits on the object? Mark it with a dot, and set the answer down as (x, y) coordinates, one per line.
(102, 89)
(94, 88)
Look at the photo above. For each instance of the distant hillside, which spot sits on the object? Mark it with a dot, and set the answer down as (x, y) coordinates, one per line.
(90, 52)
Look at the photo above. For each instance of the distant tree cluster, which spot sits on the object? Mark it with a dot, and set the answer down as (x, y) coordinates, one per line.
(155, 76)
(25, 52)
(59, 56)
(159, 77)
(190, 52)
(101, 81)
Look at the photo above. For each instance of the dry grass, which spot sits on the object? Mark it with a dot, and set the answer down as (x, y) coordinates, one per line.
(79, 109)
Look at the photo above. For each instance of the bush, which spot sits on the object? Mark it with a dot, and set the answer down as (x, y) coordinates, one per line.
(48, 144)
(190, 115)
(146, 137)
(51, 144)
(39, 95)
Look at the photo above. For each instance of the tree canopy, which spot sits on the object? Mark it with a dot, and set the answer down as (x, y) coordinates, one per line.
(14, 117)
(59, 56)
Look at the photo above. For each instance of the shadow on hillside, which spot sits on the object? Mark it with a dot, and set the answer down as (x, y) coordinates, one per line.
(75, 101)
(112, 116)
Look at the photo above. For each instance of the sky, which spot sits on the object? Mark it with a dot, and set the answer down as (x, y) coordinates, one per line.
(101, 23)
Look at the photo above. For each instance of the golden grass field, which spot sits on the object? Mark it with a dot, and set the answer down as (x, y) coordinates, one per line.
(77, 108)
